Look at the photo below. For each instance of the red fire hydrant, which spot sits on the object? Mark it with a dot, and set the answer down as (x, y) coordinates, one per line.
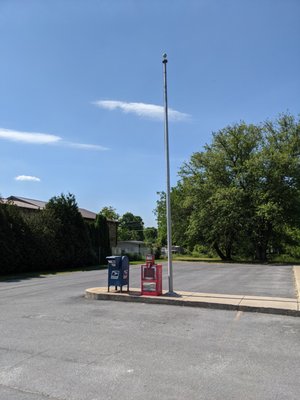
(151, 277)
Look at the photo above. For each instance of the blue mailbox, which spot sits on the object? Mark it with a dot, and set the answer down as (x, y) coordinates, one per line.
(118, 272)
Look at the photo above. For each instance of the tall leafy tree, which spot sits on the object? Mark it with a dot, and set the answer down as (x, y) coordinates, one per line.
(276, 197)
(180, 211)
(241, 194)
(160, 212)
(150, 234)
(131, 227)
(110, 213)
(217, 184)
(101, 238)
(70, 231)
(55, 237)
(150, 239)
(15, 240)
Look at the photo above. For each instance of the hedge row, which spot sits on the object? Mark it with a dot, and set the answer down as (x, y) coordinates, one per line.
(54, 238)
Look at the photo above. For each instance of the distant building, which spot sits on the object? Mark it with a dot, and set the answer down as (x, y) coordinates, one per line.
(30, 205)
(175, 250)
(136, 247)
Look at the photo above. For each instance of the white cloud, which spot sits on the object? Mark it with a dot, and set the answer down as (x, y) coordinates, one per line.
(28, 137)
(27, 178)
(84, 146)
(44, 138)
(142, 110)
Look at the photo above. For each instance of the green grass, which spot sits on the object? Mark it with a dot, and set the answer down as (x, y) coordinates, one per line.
(140, 262)
(192, 258)
(285, 259)
(282, 259)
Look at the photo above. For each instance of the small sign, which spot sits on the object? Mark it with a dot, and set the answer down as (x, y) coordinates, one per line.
(114, 275)
(149, 286)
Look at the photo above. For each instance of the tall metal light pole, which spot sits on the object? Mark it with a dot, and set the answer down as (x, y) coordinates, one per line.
(168, 203)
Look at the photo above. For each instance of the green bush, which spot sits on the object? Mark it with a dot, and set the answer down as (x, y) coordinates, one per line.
(15, 240)
(54, 238)
(99, 234)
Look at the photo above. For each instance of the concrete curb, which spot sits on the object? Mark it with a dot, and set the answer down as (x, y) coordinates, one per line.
(270, 305)
(296, 269)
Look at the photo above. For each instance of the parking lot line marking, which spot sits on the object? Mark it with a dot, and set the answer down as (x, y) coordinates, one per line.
(238, 315)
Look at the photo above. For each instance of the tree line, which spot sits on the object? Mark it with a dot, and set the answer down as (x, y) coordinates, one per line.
(240, 196)
(131, 227)
(56, 237)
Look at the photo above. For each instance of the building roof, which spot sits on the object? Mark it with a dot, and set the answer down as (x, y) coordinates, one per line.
(20, 204)
(36, 203)
(32, 204)
(87, 214)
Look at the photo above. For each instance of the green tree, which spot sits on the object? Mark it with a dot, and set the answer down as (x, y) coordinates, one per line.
(151, 241)
(69, 231)
(218, 184)
(160, 213)
(150, 234)
(44, 226)
(100, 234)
(131, 227)
(55, 237)
(15, 240)
(180, 211)
(110, 213)
(241, 194)
(276, 197)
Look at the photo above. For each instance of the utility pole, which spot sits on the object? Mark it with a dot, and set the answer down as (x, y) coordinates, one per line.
(168, 203)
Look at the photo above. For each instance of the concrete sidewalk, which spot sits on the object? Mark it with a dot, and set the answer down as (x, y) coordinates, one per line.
(271, 305)
(297, 280)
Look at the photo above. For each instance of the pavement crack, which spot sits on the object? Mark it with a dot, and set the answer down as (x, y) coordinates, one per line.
(238, 306)
(26, 359)
(45, 395)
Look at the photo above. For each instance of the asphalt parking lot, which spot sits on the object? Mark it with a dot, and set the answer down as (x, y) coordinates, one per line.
(57, 345)
(248, 279)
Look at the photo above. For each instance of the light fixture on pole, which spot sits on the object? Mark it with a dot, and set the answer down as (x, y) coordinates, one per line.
(168, 203)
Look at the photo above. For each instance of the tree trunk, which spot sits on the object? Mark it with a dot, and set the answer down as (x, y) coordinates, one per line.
(228, 251)
(261, 253)
(221, 254)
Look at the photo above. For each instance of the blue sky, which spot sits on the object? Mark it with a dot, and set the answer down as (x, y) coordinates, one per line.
(81, 90)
